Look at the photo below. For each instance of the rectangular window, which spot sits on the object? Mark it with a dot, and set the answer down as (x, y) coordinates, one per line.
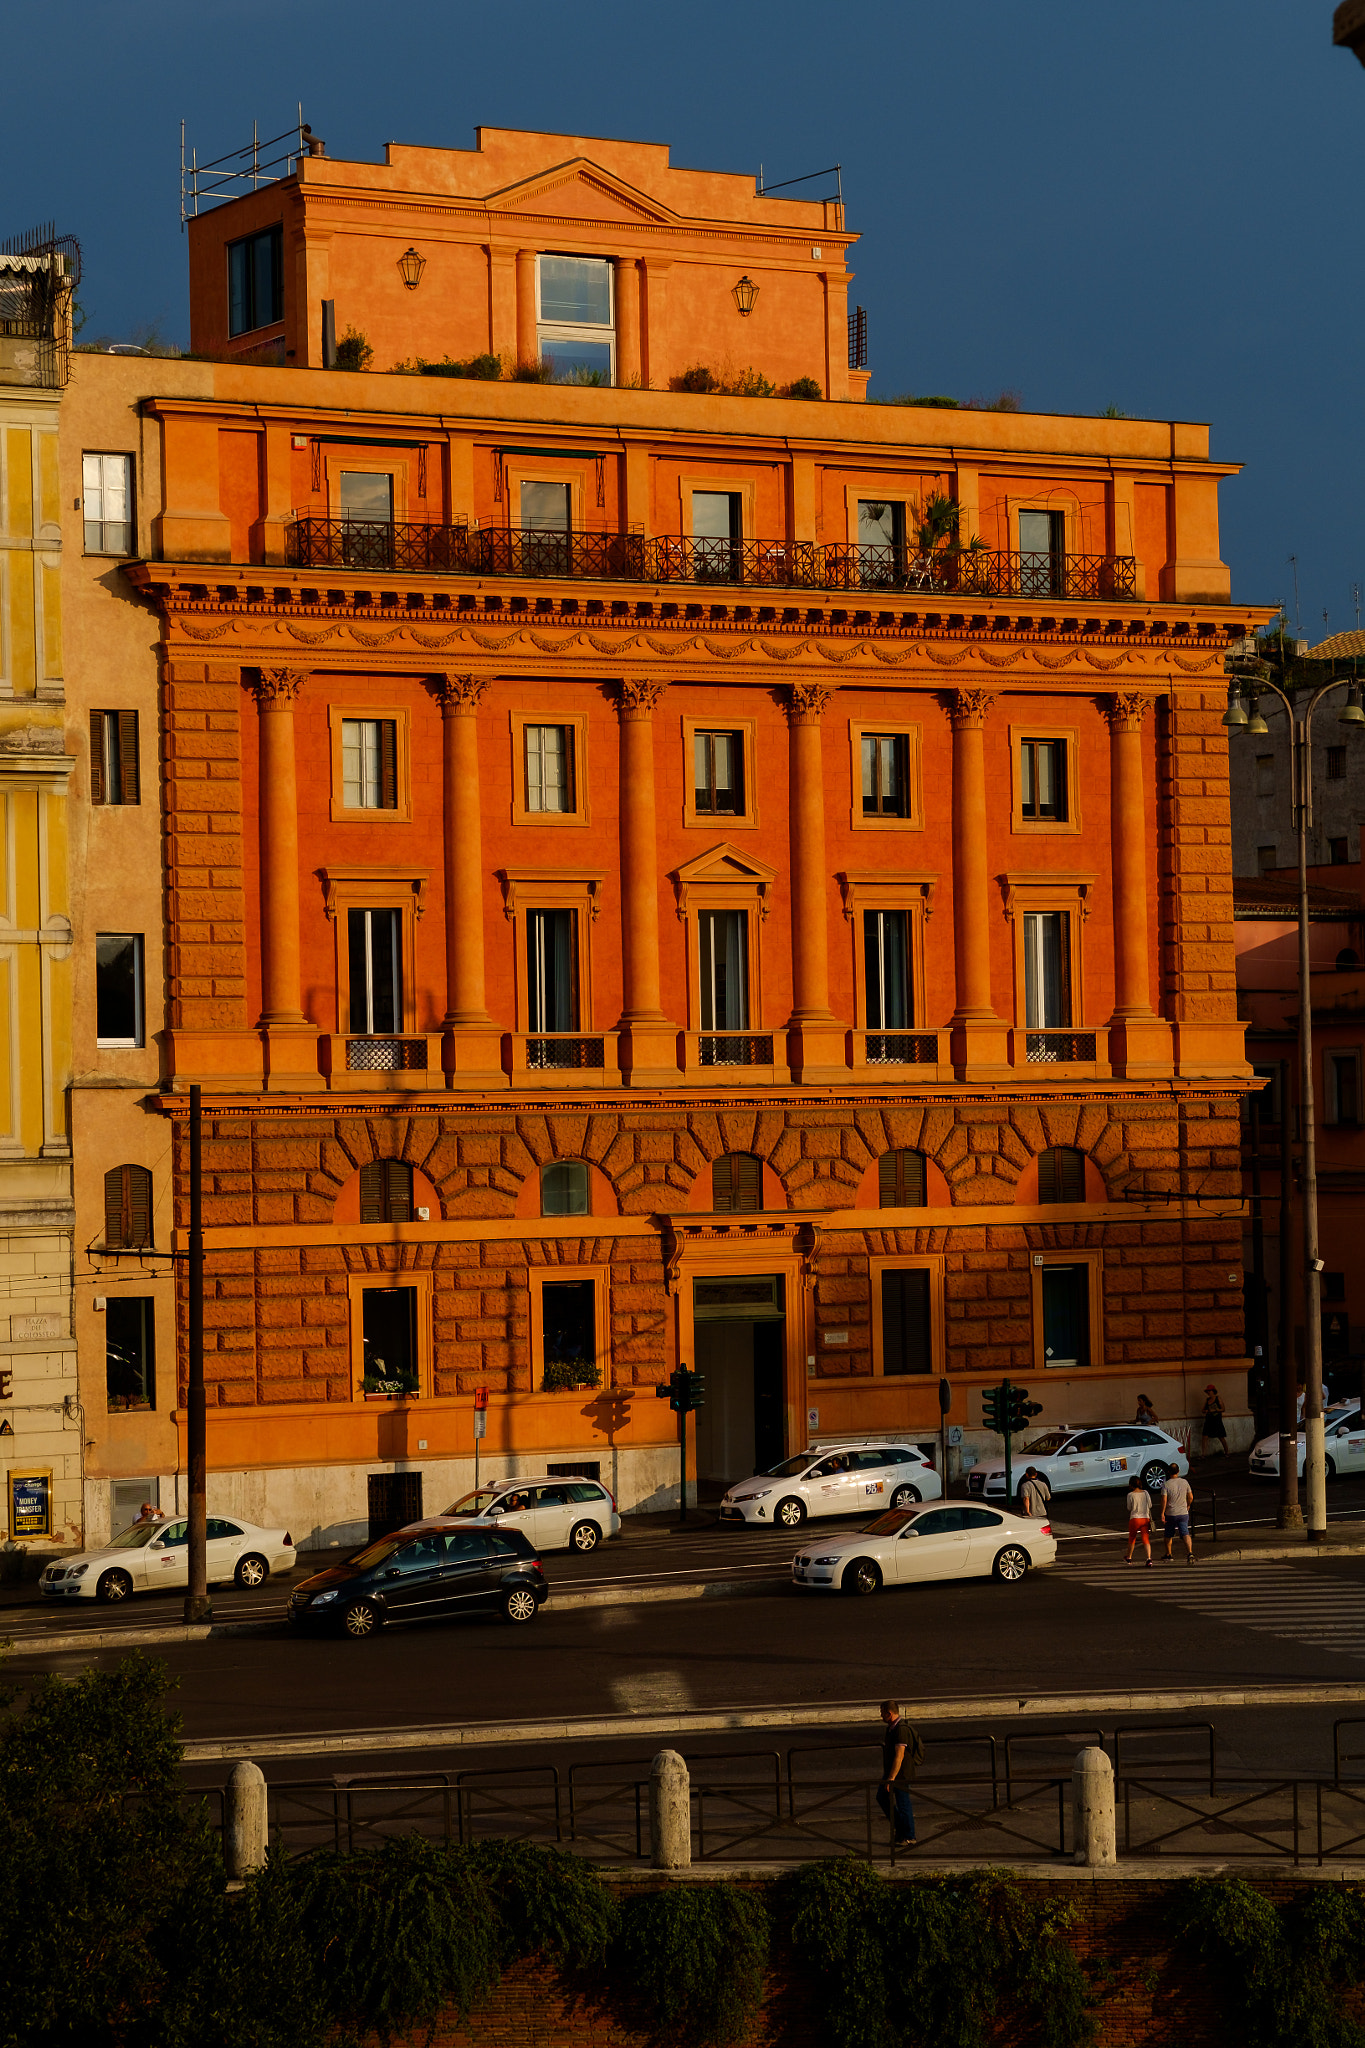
(1042, 779)
(576, 332)
(551, 970)
(546, 507)
(374, 939)
(369, 764)
(886, 775)
(1066, 1316)
(130, 1352)
(256, 280)
(717, 515)
(881, 524)
(1265, 775)
(568, 1322)
(107, 504)
(1267, 860)
(1336, 764)
(367, 494)
(389, 1329)
(1265, 1107)
(886, 961)
(113, 758)
(1343, 1088)
(118, 988)
(1042, 544)
(1338, 853)
(724, 959)
(1047, 969)
(1334, 1287)
(907, 1338)
(718, 765)
(549, 768)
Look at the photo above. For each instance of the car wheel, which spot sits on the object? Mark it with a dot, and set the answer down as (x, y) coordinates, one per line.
(584, 1536)
(520, 1604)
(1011, 1563)
(906, 1497)
(862, 1576)
(114, 1586)
(789, 1513)
(1154, 1478)
(251, 1570)
(361, 1618)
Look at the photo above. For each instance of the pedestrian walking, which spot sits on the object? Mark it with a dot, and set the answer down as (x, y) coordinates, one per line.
(1146, 1412)
(1034, 1495)
(1139, 1505)
(1212, 1427)
(902, 1749)
(1176, 1513)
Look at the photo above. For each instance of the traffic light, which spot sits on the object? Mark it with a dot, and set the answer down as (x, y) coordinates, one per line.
(1021, 1408)
(993, 1405)
(684, 1391)
(695, 1390)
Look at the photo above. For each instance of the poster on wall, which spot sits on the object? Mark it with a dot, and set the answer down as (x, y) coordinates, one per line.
(30, 1504)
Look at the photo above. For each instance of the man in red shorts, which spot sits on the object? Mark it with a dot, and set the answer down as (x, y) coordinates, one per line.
(1139, 1520)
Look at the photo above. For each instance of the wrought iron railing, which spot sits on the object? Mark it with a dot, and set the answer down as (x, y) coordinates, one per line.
(667, 558)
(735, 1049)
(385, 1055)
(1051, 1048)
(566, 1052)
(902, 1048)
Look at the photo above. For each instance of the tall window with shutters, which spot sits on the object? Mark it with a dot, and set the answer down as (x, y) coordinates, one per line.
(369, 764)
(107, 504)
(127, 1209)
(901, 1180)
(386, 1191)
(736, 1183)
(1061, 1174)
(114, 776)
(549, 768)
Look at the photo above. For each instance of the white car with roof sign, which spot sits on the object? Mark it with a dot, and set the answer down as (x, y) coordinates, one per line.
(959, 1540)
(1071, 1459)
(557, 1513)
(1344, 1435)
(847, 1478)
(152, 1555)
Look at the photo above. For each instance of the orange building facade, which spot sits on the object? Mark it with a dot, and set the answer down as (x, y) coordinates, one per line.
(626, 902)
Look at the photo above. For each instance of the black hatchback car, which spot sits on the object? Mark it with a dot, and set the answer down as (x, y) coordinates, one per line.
(421, 1571)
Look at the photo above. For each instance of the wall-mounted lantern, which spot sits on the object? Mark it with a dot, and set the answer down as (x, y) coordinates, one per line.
(412, 265)
(746, 291)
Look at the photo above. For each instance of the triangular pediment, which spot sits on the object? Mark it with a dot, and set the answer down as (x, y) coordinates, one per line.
(580, 190)
(725, 863)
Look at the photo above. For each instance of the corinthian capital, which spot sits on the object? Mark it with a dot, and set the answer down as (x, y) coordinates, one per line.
(276, 688)
(456, 694)
(636, 697)
(806, 702)
(1126, 710)
(970, 707)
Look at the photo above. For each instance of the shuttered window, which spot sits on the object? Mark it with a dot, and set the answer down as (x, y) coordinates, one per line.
(386, 1192)
(127, 1208)
(1061, 1175)
(114, 777)
(369, 764)
(901, 1180)
(736, 1182)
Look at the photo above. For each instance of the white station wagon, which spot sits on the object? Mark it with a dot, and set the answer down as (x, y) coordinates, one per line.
(1344, 1435)
(956, 1541)
(833, 1479)
(1072, 1459)
(154, 1555)
(554, 1512)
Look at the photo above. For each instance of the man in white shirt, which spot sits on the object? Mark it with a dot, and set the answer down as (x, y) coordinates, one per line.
(1179, 1497)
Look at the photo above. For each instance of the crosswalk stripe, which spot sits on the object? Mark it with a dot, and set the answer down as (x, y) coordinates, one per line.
(1280, 1600)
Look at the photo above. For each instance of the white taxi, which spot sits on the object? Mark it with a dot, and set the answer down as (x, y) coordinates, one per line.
(156, 1555)
(956, 1541)
(1070, 1459)
(554, 1512)
(847, 1478)
(1344, 1433)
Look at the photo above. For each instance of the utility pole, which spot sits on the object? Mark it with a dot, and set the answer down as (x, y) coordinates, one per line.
(198, 1606)
(1291, 1514)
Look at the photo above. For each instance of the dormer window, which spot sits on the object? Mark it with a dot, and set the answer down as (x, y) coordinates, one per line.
(575, 318)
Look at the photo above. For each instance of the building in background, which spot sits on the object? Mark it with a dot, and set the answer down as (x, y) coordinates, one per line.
(40, 1421)
(641, 875)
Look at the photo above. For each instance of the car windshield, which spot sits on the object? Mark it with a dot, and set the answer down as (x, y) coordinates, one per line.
(889, 1524)
(375, 1553)
(1051, 1440)
(790, 1468)
(135, 1538)
(475, 1503)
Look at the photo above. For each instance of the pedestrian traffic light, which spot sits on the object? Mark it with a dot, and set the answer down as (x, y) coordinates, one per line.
(684, 1391)
(671, 1390)
(993, 1404)
(1021, 1408)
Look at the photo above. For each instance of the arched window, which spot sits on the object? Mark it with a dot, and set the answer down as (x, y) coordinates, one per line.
(564, 1188)
(901, 1180)
(1061, 1175)
(736, 1182)
(1348, 957)
(386, 1191)
(127, 1208)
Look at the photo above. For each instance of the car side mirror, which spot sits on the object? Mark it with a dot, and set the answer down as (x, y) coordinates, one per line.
(393, 1572)
(908, 1532)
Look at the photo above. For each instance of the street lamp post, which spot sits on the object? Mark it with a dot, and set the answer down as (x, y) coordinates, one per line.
(1249, 677)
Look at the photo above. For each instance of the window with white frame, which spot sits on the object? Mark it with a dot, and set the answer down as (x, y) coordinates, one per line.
(723, 951)
(1047, 969)
(718, 764)
(369, 764)
(374, 942)
(107, 504)
(564, 1188)
(118, 989)
(1042, 780)
(886, 774)
(549, 768)
(576, 318)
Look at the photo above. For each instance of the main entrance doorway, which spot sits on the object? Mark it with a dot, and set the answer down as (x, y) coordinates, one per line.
(739, 1337)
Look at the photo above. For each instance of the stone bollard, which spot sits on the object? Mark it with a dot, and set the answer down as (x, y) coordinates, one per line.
(245, 1827)
(1093, 1824)
(670, 1812)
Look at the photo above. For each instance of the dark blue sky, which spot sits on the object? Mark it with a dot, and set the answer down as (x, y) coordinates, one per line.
(1092, 204)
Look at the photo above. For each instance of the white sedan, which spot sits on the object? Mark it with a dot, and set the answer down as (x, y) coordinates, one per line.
(1345, 1444)
(155, 1555)
(1070, 1459)
(908, 1546)
(833, 1479)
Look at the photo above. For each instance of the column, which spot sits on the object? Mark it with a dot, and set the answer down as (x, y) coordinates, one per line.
(290, 1040)
(980, 1044)
(1139, 1040)
(649, 1042)
(628, 368)
(472, 1053)
(658, 363)
(528, 344)
(817, 1043)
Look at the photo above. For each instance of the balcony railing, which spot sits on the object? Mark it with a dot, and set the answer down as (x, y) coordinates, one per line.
(1052, 1048)
(566, 1052)
(735, 1049)
(736, 564)
(386, 1055)
(902, 1048)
